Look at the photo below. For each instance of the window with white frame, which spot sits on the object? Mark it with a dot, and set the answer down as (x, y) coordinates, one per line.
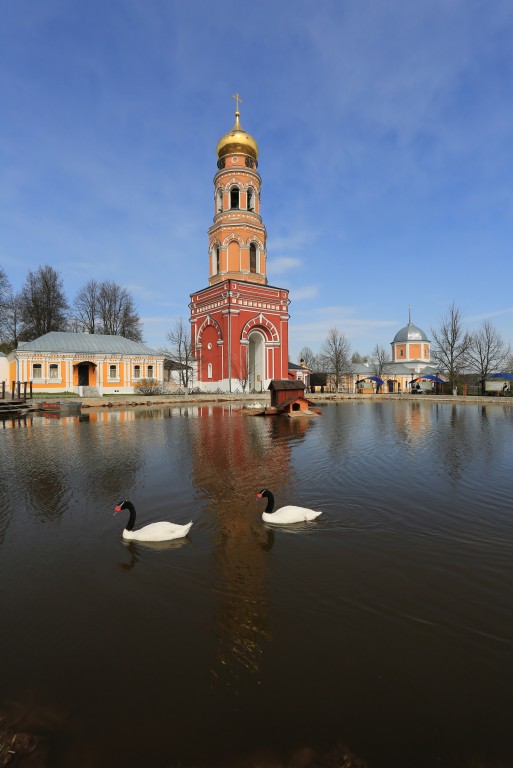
(37, 371)
(209, 371)
(137, 371)
(54, 371)
(150, 371)
(113, 371)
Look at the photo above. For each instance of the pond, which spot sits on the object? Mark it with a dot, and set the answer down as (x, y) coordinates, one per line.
(384, 628)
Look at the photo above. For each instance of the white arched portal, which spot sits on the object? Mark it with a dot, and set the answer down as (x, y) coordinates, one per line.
(256, 361)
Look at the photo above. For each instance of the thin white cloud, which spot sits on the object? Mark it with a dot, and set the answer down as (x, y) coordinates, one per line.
(283, 264)
(291, 242)
(488, 315)
(305, 292)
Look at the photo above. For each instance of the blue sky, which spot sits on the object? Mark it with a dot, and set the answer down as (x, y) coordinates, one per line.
(385, 131)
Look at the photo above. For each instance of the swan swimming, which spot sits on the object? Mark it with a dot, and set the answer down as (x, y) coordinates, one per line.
(163, 531)
(285, 515)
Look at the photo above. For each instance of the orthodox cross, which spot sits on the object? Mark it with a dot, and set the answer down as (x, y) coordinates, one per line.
(237, 99)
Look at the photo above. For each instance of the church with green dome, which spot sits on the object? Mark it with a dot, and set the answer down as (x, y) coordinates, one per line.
(409, 370)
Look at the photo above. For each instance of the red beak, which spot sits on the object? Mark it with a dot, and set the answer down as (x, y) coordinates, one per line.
(259, 495)
(117, 509)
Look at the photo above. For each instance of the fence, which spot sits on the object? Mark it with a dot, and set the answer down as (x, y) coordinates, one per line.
(20, 390)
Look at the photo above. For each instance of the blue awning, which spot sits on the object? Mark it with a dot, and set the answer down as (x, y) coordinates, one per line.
(506, 376)
(431, 377)
(371, 378)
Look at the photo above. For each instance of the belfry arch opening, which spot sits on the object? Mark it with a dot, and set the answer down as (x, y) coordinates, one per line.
(234, 197)
(256, 361)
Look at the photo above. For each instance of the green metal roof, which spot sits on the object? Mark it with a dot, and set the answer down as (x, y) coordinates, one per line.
(86, 343)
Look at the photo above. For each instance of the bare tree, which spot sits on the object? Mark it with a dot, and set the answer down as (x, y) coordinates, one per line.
(452, 344)
(309, 358)
(5, 303)
(86, 307)
(379, 359)
(335, 355)
(487, 352)
(181, 351)
(9, 315)
(12, 324)
(42, 304)
(117, 314)
(358, 359)
(242, 372)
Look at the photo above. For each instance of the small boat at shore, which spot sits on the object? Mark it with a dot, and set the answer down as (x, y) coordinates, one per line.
(61, 406)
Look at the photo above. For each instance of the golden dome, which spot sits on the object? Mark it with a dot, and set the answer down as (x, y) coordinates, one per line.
(237, 141)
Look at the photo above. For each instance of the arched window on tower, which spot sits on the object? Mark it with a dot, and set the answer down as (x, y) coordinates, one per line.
(218, 259)
(219, 207)
(234, 197)
(252, 257)
(251, 200)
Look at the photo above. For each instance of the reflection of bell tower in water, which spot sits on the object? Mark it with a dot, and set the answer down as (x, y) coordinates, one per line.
(239, 324)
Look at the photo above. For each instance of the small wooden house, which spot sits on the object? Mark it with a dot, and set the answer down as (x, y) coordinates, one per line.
(289, 396)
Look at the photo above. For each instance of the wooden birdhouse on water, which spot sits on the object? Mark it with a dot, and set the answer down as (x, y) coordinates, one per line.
(289, 396)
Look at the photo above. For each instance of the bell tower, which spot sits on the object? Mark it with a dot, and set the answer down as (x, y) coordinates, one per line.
(237, 238)
(239, 324)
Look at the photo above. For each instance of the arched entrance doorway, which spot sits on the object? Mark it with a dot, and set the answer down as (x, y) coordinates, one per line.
(86, 376)
(256, 361)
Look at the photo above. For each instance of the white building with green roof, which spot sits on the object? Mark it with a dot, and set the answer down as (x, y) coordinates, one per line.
(84, 363)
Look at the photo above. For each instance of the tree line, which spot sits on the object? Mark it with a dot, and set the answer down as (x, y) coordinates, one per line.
(41, 306)
(105, 307)
(455, 352)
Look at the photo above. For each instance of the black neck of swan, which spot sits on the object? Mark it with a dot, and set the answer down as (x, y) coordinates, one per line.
(131, 520)
(270, 501)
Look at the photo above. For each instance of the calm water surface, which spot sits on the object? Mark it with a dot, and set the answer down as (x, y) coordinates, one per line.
(385, 626)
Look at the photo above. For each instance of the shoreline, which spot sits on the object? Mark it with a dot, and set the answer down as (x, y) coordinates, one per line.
(132, 401)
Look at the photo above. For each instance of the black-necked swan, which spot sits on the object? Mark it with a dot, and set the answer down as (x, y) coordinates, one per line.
(154, 531)
(285, 515)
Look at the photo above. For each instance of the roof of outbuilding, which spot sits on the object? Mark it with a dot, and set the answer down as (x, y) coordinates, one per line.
(285, 384)
(85, 343)
(394, 369)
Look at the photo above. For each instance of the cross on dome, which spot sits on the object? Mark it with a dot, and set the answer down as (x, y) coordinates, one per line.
(237, 99)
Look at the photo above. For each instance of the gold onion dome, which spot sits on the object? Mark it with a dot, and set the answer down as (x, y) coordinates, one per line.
(237, 141)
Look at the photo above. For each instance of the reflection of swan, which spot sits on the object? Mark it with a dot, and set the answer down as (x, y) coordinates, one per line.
(133, 558)
(154, 531)
(285, 515)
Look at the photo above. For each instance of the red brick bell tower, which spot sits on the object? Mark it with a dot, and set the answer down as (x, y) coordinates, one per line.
(239, 323)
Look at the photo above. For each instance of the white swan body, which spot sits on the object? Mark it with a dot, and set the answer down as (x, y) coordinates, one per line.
(285, 515)
(163, 531)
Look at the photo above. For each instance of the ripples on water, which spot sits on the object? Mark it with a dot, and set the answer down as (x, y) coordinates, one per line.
(384, 625)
